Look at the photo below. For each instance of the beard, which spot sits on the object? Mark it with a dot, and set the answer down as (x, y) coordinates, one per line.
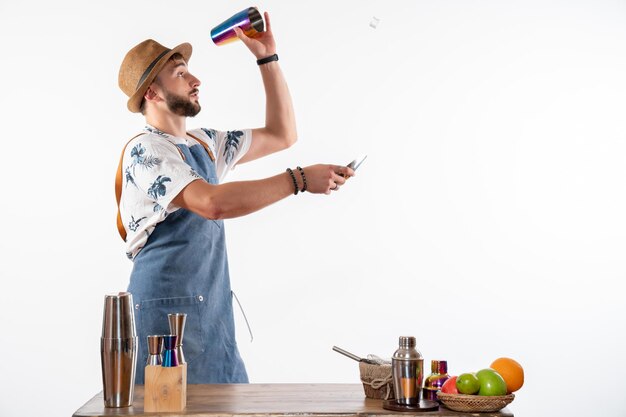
(182, 106)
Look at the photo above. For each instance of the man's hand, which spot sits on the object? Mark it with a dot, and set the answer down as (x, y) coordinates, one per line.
(322, 179)
(235, 199)
(262, 45)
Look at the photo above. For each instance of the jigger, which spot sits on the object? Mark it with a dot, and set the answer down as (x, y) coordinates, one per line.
(177, 327)
(170, 358)
(155, 347)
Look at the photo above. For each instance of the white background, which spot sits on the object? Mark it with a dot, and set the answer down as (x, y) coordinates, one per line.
(488, 219)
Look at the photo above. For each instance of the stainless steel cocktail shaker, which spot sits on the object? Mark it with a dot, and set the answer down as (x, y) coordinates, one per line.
(118, 350)
(407, 366)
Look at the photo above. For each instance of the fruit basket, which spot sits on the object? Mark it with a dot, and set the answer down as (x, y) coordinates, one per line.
(475, 403)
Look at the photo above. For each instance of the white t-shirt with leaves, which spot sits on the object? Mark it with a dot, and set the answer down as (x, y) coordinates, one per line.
(154, 173)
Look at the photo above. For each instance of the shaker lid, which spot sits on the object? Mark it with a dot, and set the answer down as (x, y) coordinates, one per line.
(118, 320)
(406, 350)
(406, 341)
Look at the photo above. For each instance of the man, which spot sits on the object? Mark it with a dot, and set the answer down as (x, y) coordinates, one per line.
(172, 204)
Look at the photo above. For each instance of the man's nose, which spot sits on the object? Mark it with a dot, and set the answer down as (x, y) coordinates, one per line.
(194, 82)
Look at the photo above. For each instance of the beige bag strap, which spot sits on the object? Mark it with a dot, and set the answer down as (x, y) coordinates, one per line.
(120, 174)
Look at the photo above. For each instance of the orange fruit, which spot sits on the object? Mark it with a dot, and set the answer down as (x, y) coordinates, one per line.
(511, 371)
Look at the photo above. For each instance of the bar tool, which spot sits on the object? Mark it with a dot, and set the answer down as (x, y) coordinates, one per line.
(155, 347)
(353, 356)
(170, 358)
(248, 20)
(357, 162)
(177, 327)
(407, 366)
(118, 350)
(407, 369)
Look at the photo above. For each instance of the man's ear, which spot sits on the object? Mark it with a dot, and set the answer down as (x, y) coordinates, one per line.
(151, 95)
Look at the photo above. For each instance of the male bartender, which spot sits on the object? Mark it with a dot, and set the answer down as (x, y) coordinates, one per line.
(172, 200)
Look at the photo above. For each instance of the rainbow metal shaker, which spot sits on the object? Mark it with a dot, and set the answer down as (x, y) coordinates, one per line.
(248, 20)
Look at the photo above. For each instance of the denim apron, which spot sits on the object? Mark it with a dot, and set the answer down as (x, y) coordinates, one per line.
(183, 268)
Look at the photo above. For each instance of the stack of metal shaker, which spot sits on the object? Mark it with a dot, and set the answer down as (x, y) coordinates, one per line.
(118, 350)
(119, 344)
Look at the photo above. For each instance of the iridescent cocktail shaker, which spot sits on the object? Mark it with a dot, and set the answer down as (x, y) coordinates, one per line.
(407, 367)
(118, 350)
(249, 21)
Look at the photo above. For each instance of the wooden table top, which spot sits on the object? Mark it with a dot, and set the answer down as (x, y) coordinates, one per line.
(248, 400)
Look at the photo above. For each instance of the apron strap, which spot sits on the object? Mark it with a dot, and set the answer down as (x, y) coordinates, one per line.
(118, 191)
(118, 179)
(204, 145)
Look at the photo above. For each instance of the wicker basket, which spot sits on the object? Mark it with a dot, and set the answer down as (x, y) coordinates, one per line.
(474, 403)
(377, 380)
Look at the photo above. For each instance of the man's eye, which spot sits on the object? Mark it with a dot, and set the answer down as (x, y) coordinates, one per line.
(180, 74)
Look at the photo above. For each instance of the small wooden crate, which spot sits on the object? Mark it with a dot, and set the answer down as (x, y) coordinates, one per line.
(165, 389)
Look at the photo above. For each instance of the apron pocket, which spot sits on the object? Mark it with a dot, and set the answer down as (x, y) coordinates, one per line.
(154, 321)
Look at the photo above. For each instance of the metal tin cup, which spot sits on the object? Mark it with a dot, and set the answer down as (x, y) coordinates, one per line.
(249, 21)
(407, 370)
(170, 358)
(177, 327)
(155, 347)
(118, 350)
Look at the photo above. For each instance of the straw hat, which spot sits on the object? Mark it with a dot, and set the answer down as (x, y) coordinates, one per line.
(141, 65)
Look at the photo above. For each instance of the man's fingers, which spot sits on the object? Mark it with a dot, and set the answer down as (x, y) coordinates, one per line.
(344, 171)
(242, 36)
(268, 25)
(339, 179)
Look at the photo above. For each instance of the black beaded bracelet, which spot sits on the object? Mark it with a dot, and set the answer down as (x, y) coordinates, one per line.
(267, 59)
(295, 183)
(303, 179)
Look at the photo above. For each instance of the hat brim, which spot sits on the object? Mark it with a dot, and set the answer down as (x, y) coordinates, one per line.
(134, 102)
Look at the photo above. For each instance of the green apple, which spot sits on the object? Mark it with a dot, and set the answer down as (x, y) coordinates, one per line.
(467, 383)
(491, 383)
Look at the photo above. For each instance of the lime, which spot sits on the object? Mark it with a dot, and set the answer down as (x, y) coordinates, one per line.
(491, 382)
(467, 383)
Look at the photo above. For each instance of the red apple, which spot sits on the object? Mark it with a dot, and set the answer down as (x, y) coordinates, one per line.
(449, 387)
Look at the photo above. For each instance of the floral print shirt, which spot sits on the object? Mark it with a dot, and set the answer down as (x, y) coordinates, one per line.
(154, 173)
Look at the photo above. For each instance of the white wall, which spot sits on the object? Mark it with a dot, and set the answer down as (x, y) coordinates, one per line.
(487, 221)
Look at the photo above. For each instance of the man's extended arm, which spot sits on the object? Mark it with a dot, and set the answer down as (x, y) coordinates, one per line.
(279, 131)
(239, 198)
(234, 199)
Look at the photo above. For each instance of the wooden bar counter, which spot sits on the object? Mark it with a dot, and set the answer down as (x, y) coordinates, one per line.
(275, 400)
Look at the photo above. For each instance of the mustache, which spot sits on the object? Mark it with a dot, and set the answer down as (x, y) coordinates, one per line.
(194, 91)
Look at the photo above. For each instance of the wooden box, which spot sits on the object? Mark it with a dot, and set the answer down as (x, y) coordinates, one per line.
(165, 388)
